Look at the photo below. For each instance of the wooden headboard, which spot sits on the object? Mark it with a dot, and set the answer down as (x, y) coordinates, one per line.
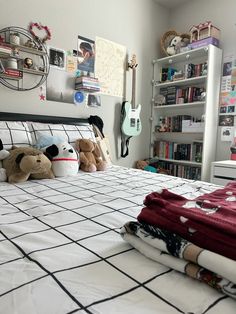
(11, 116)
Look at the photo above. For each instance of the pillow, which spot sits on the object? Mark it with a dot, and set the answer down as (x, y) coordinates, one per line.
(48, 140)
(14, 133)
(69, 133)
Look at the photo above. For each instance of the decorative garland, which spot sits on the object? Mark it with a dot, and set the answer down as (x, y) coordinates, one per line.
(40, 27)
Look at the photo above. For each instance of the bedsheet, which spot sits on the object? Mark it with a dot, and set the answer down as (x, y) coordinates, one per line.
(61, 249)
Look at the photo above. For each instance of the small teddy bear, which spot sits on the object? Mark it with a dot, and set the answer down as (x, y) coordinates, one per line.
(90, 157)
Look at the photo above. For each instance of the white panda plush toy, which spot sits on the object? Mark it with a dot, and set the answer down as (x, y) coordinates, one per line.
(174, 43)
(64, 158)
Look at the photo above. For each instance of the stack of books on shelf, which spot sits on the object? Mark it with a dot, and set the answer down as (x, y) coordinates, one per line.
(87, 83)
(183, 171)
(188, 71)
(195, 70)
(178, 124)
(179, 151)
(181, 95)
(12, 73)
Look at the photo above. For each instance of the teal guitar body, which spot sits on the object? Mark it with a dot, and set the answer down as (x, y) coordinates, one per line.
(131, 122)
(131, 125)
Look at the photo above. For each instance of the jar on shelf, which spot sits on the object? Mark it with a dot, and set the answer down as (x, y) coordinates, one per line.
(12, 63)
(15, 38)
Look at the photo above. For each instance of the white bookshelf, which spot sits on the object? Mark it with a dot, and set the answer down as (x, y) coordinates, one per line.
(207, 108)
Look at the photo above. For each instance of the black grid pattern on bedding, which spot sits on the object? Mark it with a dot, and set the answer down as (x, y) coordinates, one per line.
(70, 133)
(65, 234)
(14, 133)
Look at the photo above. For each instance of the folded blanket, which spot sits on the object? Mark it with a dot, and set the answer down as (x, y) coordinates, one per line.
(208, 221)
(147, 244)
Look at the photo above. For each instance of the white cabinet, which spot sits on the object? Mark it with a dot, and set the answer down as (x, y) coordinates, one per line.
(223, 172)
(187, 105)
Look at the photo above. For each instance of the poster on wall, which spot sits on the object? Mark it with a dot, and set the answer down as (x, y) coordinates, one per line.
(86, 55)
(228, 82)
(110, 66)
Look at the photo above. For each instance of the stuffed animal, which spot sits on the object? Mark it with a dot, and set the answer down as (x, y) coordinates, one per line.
(174, 45)
(27, 162)
(65, 161)
(3, 155)
(47, 140)
(144, 165)
(90, 157)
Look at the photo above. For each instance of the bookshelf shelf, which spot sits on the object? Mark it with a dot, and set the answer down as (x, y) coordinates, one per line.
(199, 97)
(189, 81)
(179, 106)
(183, 162)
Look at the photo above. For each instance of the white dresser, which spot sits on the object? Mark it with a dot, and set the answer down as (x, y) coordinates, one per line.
(223, 171)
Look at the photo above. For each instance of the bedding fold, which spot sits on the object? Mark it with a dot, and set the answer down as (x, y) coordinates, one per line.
(181, 255)
(208, 221)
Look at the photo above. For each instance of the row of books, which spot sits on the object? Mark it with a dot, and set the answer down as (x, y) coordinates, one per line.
(176, 123)
(182, 171)
(190, 70)
(180, 95)
(178, 151)
(194, 70)
(87, 83)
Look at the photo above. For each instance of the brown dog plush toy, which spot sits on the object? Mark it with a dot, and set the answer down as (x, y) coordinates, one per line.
(27, 162)
(90, 157)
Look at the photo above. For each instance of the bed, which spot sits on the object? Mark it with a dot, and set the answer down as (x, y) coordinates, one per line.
(61, 250)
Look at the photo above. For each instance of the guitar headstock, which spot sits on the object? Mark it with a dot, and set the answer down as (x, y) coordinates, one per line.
(133, 62)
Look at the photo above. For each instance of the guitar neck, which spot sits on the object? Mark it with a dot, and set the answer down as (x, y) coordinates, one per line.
(133, 87)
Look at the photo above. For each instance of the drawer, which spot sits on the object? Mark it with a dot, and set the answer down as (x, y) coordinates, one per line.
(220, 181)
(225, 172)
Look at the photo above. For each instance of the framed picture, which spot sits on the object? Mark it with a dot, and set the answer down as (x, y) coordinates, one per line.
(223, 109)
(230, 109)
(57, 58)
(226, 120)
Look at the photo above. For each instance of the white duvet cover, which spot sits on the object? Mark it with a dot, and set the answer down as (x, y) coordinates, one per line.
(61, 249)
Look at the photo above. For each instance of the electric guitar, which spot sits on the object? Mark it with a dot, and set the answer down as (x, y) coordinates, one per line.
(131, 124)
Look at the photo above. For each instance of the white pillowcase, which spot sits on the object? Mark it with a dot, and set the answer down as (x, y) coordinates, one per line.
(15, 133)
(70, 133)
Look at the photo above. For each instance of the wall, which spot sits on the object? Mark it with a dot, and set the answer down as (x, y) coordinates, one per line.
(136, 24)
(222, 14)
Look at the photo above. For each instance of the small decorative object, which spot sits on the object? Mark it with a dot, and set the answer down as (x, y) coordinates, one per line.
(15, 38)
(172, 42)
(28, 63)
(78, 97)
(40, 27)
(12, 63)
(41, 69)
(15, 52)
(203, 30)
(30, 43)
(159, 100)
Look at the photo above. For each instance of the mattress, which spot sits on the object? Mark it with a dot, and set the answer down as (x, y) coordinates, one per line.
(61, 250)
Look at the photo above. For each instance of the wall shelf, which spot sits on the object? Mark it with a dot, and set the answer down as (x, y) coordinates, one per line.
(32, 77)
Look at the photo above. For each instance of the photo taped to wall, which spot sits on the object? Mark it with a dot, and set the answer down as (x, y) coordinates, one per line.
(57, 58)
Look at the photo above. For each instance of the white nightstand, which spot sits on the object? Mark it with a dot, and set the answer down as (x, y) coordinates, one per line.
(223, 171)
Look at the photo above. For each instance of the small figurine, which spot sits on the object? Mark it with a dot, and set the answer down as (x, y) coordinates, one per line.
(28, 63)
(29, 43)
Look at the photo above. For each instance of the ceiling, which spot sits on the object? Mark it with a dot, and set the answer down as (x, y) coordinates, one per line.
(171, 3)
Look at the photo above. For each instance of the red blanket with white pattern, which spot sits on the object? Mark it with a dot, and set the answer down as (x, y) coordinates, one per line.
(208, 221)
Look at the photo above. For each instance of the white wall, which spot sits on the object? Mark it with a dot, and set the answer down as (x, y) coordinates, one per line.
(222, 14)
(136, 24)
